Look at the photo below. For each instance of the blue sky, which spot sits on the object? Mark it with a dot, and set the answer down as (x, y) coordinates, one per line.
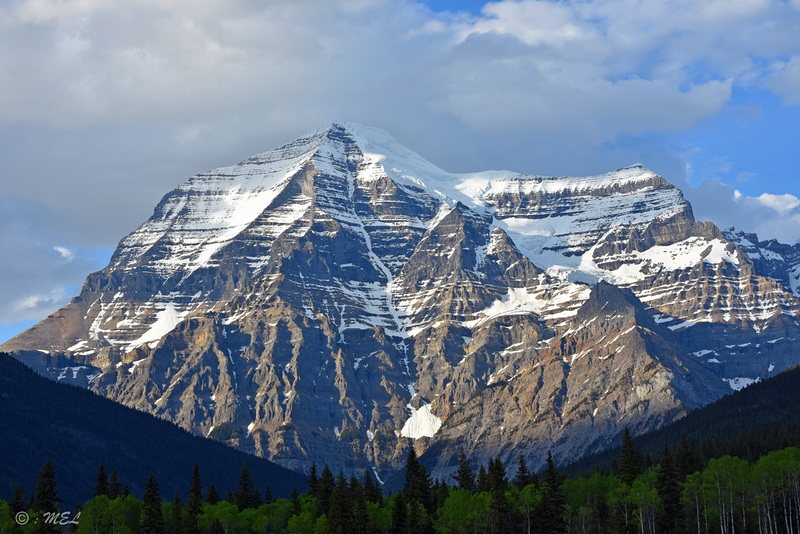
(106, 106)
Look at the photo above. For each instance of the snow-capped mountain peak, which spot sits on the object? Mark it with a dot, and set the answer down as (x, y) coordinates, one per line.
(339, 298)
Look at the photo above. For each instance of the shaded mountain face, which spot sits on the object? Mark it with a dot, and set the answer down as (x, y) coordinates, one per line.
(339, 300)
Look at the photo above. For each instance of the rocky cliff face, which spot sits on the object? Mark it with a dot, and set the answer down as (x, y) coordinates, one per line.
(339, 300)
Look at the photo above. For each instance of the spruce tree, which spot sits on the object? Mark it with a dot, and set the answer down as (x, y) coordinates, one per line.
(339, 520)
(399, 514)
(229, 497)
(686, 459)
(465, 476)
(440, 495)
(101, 486)
(483, 480)
(195, 501)
(295, 508)
(370, 492)
(212, 495)
(17, 503)
(496, 475)
(244, 493)
(114, 486)
(177, 513)
(358, 503)
(46, 499)
(554, 502)
(152, 518)
(418, 482)
(630, 460)
(500, 519)
(312, 480)
(268, 494)
(324, 491)
(523, 476)
(669, 491)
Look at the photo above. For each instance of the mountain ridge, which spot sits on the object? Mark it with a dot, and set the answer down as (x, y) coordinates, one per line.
(324, 296)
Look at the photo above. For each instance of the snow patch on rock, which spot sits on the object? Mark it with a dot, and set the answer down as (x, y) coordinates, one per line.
(422, 423)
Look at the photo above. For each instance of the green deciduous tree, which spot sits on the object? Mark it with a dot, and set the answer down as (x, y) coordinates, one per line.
(463, 512)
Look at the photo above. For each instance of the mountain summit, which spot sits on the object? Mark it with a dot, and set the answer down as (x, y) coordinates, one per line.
(339, 299)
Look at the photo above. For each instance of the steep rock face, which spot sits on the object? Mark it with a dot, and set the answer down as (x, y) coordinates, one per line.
(613, 367)
(339, 300)
(770, 258)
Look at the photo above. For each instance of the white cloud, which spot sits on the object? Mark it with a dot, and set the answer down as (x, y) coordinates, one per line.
(66, 253)
(769, 216)
(783, 204)
(786, 80)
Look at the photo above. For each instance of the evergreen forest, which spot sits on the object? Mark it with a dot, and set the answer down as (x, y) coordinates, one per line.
(676, 495)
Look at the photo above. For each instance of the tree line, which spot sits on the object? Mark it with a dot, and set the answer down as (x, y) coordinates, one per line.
(679, 494)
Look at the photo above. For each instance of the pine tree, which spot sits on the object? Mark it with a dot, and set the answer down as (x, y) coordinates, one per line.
(483, 480)
(114, 487)
(244, 493)
(523, 476)
(295, 507)
(46, 500)
(17, 501)
(212, 495)
(554, 503)
(101, 486)
(465, 476)
(686, 459)
(324, 491)
(630, 460)
(418, 483)
(500, 519)
(152, 518)
(669, 491)
(268, 495)
(358, 500)
(256, 502)
(229, 497)
(312, 480)
(177, 513)
(370, 489)
(399, 514)
(496, 475)
(339, 519)
(195, 502)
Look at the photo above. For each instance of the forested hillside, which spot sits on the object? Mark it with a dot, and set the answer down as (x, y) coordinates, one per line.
(750, 423)
(77, 429)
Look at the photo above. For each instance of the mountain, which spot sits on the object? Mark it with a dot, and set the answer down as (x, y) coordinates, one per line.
(339, 299)
(77, 430)
(749, 423)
